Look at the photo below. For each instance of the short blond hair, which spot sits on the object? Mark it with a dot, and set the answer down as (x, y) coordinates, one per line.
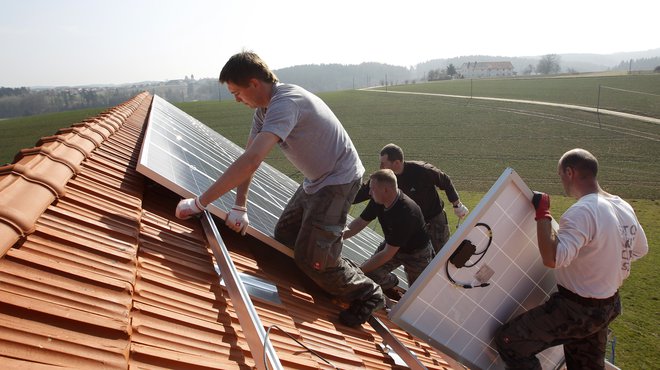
(384, 176)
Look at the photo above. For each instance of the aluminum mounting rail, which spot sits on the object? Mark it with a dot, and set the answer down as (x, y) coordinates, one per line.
(399, 348)
(247, 315)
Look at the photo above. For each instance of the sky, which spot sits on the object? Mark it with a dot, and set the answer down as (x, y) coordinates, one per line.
(82, 42)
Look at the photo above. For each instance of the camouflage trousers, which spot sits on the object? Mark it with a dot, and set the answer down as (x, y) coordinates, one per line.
(413, 264)
(312, 225)
(581, 327)
(438, 230)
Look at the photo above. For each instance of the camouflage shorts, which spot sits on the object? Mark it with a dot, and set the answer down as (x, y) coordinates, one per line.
(581, 328)
(438, 230)
(413, 264)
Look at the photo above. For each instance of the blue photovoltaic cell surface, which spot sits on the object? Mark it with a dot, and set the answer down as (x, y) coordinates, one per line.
(461, 322)
(184, 155)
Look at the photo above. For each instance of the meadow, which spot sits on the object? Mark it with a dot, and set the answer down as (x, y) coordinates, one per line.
(24, 132)
(474, 141)
(634, 93)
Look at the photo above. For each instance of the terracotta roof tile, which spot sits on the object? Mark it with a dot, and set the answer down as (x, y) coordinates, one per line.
(96, 272)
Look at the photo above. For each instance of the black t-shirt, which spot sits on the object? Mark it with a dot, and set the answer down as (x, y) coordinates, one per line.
(419, 181)
(403, 223)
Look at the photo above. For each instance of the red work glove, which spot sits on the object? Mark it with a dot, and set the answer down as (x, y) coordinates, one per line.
(541, 202)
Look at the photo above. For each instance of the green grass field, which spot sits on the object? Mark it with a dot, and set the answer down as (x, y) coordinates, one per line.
(474, 141)
(638, 93)
(21, 133)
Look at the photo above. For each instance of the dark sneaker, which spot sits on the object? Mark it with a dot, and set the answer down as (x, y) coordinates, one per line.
(359, 311)
(395, 293)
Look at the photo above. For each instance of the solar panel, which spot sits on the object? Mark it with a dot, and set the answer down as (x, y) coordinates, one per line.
(186, 156)
(461, 322)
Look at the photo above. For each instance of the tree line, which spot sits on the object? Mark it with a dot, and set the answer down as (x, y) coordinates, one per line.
(24, 101)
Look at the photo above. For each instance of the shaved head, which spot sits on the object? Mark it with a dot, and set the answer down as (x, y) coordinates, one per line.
(581, 161)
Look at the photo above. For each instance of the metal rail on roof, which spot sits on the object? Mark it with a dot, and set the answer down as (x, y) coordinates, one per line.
(393, 343)
(247, 315)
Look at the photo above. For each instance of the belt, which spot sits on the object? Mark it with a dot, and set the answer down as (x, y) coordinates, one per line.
(592, 302)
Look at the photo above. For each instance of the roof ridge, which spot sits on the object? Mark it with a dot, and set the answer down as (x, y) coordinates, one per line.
(43, 171)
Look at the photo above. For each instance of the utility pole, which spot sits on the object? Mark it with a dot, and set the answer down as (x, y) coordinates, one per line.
(598, 107)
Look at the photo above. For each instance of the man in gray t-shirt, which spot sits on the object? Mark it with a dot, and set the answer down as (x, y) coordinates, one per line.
(315, 142)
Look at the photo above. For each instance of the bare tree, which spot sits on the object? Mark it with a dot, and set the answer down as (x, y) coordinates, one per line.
(548, 64)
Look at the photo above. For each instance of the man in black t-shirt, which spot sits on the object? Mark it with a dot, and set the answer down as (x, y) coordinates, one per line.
(406, 242)
(420, 181)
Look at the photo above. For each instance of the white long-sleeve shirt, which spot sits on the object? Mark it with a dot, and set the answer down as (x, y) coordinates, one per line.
(599, 237)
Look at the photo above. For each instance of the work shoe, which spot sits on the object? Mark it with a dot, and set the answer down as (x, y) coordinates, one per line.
(394, 293)
(359, 311)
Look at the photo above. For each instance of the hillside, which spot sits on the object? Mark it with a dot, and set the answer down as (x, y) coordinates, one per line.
(17, 102)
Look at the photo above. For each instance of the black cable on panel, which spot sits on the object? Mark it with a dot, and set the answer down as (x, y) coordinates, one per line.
(462, 255)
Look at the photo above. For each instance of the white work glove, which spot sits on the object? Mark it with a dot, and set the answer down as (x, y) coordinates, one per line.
(460, 210)
(188, 208)
(237, 219)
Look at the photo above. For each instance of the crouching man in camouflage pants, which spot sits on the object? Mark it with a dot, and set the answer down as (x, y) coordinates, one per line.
(406, 241)
(312, 224)
(315, 142)
(598, 238)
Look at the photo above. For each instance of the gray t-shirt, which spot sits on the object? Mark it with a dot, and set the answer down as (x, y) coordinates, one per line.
(311, 137)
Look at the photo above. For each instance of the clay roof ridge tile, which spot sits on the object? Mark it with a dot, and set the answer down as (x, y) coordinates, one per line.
(59, 139)
(85, 145)
(96, 128)
(87, 133)
(54, 184)
(53, 155)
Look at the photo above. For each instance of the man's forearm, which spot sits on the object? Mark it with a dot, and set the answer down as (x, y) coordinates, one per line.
(354, 227)
(379, 258)
(239, 173)
(242, 193)
(547, 241)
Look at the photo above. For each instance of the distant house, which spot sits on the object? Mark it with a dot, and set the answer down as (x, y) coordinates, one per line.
(486, 69)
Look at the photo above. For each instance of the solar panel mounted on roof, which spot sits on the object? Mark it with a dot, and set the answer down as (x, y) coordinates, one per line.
(186, 156)
(461, 322)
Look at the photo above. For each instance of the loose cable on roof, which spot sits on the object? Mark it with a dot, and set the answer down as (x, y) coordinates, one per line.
(296, 340)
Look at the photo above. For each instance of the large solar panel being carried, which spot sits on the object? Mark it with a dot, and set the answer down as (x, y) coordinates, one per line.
(186, 156)
(457, 309)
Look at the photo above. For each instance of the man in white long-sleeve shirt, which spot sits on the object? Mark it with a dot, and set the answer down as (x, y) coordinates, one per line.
(599, 236)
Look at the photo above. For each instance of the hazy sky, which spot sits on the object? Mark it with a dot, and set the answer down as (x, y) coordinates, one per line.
(77, 42)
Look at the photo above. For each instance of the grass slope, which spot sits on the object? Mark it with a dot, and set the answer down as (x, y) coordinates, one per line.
(21, 133)
(639, 94)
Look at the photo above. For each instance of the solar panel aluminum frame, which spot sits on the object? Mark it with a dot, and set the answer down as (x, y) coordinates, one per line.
(232, 151)
(428, 310)
(204, 149)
